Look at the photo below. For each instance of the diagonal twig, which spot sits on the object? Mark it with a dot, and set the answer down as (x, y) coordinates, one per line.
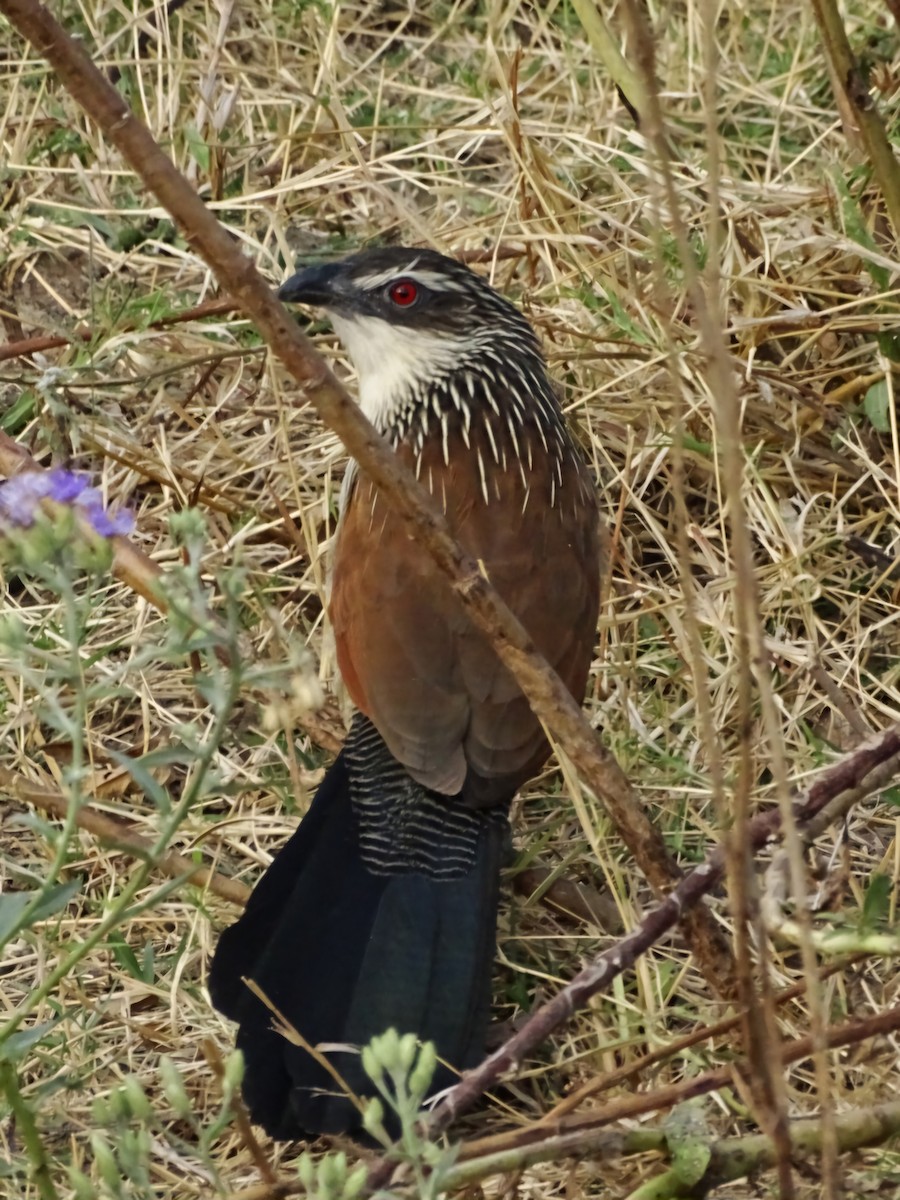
(550, 699)
(866, 770)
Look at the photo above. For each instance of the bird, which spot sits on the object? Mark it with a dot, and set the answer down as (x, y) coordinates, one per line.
(381, 910)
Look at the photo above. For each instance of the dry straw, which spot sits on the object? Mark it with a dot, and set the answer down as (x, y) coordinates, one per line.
(492, 132)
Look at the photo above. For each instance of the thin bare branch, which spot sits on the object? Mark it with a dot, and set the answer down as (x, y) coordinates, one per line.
(861, 773)
(559, 712)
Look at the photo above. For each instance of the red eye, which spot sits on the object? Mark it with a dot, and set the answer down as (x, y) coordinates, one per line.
(403, 293)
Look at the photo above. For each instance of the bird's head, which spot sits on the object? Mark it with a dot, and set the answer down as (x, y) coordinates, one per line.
(408, 318)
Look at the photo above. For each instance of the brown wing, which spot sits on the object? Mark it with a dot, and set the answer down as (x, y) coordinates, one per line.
(411, 659)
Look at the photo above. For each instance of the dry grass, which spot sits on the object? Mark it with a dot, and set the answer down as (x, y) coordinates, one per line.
(311, 129)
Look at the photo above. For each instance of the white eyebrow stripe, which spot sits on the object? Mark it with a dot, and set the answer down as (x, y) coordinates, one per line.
(369, 283)
(434, 280)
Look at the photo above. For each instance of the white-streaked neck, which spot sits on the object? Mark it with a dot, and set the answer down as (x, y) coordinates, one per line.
(392, 361)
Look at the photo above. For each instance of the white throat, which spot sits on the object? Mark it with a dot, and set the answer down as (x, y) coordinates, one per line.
(391, 361)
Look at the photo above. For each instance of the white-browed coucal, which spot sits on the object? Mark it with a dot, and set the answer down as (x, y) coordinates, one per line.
(381, 910)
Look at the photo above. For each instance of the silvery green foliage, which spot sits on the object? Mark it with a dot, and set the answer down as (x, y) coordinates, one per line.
(128, 1129)
(402, 1071)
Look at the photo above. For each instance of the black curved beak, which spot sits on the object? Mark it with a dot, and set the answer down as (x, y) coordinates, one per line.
(312, 285)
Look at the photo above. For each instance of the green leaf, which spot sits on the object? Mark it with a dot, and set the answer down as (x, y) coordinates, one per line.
(692, 443)
(126, 957)
(197, 146)
(688, 1139)
(877, 902)
(857, 228)
(18, 1044)
(18, 414)
(140, 771)
(877, 406)
(621, 319)
(13, 905)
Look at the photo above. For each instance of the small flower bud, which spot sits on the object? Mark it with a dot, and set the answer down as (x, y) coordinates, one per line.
(234, 1071)
(332, 1170)
(173, 1088)
(387, 1048)
(371, 1064)
(117, 1107)
(82, 1188)
(356, 1181)
(132, 1151)
(306, 1171)
(406, 1052)
(136, 1099)
(373, 1120)
(187, 525)
(106, 1161)
(423, 1072)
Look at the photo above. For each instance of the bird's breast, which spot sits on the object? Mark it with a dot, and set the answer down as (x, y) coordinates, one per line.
(520, 502)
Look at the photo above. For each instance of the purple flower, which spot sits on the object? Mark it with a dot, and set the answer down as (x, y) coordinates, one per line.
(65, 486)
(21, 496)
(102, 522)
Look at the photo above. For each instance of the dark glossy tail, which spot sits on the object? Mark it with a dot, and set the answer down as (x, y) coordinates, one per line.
(380, 911)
